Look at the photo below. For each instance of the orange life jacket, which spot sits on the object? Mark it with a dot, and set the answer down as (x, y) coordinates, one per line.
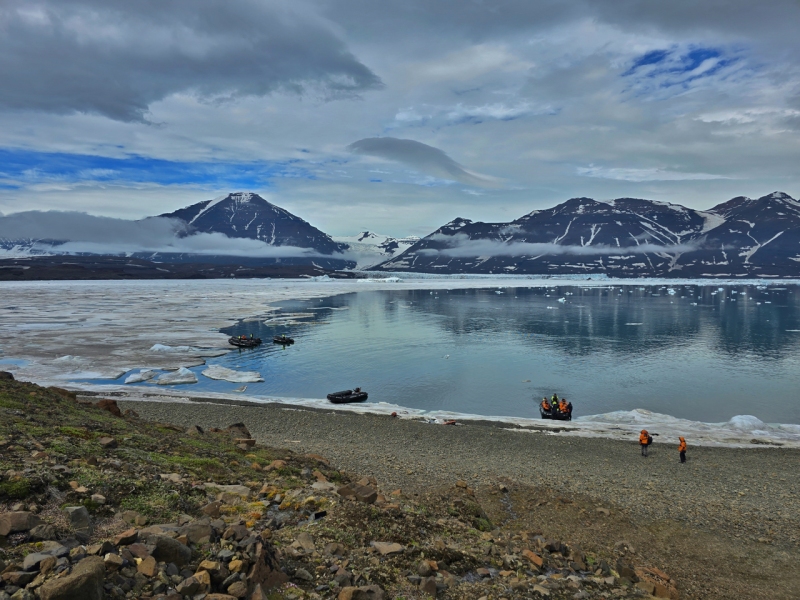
(643, 437)
(562, 406)
(545, 404)
(682, 445)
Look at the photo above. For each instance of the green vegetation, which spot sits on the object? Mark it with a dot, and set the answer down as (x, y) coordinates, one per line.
(15, 489)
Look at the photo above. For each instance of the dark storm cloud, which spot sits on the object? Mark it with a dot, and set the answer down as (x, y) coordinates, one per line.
(116, 57)
(418, 156)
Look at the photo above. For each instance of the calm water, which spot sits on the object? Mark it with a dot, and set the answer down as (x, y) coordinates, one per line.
(702, 353)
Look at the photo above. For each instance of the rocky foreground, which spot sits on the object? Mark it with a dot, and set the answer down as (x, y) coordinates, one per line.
(99, 504)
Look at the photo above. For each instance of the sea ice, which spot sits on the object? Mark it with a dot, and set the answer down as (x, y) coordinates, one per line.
(223, 374)
(182, 375)
(145, 375)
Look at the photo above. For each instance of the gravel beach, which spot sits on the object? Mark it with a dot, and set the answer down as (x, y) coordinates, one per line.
(726, 522)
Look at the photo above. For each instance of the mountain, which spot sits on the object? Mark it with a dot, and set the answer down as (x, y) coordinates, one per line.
(247, 215)
(371, 249)
(627, 237)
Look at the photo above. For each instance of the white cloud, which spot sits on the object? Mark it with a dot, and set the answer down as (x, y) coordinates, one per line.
(637, 175)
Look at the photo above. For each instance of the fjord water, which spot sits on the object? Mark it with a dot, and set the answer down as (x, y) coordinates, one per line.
(704, 353)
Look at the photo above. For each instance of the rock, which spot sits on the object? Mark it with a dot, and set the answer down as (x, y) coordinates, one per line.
(98, 499)
(84, 583)
(356, 491)
(197, 532)
(424, 568)
(367, 592)
(534, 558)
(110, 406)
(100, 549)
(239, 430)
(113, 562)
(79, 519)
(238, 589)
(542, 591)
(603, 511)
(42, 533)
(148, 567)
(33, 560)
(6, 376)
(220, 597)
(306, 542)
(194, 430)
(16, 521)
(428, 586)
(108, 443)
(248, 442)
(303, 575)
(126, 537)
(18, 578)
(23, 595)
(212, 509)
(385, 548)
(266, 571)
(170, 551)
(189, 587)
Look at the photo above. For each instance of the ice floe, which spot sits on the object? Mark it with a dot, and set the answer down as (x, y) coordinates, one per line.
(182, 375)
(145, 375)
(223, 374)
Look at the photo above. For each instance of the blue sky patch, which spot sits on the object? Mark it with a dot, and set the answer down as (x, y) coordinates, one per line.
(25, 167)
(680, 66)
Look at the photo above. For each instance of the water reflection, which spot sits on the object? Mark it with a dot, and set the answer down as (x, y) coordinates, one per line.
(697, 352)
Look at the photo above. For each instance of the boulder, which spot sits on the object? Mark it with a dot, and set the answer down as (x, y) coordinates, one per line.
(306, 542)
(148, 567)
(385, 548)
(126, 537)
(428, 586)
(6, 376)
(110, 406)
(79, 519)
(84, 583)
(16, 521)
(266, 571)
(366, 592)
(108, 443)
(170, 551)
(356, 491)
(239, 430)
(197, 532)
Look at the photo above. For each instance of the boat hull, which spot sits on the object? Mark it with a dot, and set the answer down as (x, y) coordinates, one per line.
(246, 343)
(555, 415)
(347, 396)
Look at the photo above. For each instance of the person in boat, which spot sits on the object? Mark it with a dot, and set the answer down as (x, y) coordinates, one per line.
(357, 390)
(562, 405)
(569, 409)
(554, 400)
(251, 336)
(545, 405)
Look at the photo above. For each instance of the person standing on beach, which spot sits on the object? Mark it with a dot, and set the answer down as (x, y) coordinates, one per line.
(682, 449)
(644, 441)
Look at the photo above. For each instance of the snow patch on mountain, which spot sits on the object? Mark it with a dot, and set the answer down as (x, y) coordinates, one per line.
(369, 249)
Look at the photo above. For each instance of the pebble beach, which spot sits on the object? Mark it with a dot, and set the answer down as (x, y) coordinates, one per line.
(742, 503)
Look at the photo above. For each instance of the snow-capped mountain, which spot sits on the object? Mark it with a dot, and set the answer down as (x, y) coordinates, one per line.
(247, 215)
(627, 237)
(370, 249)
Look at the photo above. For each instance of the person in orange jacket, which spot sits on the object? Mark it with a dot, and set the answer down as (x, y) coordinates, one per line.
(644, 441)
(562, 405)
(682, 449)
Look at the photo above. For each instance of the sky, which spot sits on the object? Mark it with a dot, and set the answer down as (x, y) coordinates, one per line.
(395, 117)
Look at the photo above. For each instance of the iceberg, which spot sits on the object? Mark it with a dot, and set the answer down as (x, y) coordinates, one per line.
(223, 374)
(182, 375)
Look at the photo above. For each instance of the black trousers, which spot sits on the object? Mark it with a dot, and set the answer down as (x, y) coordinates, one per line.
(644, 449)
(683, 456)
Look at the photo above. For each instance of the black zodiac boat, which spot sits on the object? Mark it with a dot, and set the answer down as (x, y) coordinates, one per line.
(282, 339)
(346, 396)
(556, 414)
(244, 342)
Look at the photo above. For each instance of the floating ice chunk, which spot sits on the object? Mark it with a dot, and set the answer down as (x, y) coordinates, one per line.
(182, 375)
(634, 323)
(223, 374)
(164, 348)
(145, 375)
(562, 300)
(671, 292)
(746, 423)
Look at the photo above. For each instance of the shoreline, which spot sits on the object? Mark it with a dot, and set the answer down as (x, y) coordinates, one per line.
(743, 431)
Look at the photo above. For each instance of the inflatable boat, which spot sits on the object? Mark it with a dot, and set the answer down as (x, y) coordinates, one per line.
(347, 396)
(244, 342)
(282, 339)
(555, 414)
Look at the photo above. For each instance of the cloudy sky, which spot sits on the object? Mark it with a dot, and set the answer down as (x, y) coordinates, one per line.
(395, 116)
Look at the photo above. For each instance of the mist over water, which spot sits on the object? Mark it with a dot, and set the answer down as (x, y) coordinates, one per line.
(697, 352)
